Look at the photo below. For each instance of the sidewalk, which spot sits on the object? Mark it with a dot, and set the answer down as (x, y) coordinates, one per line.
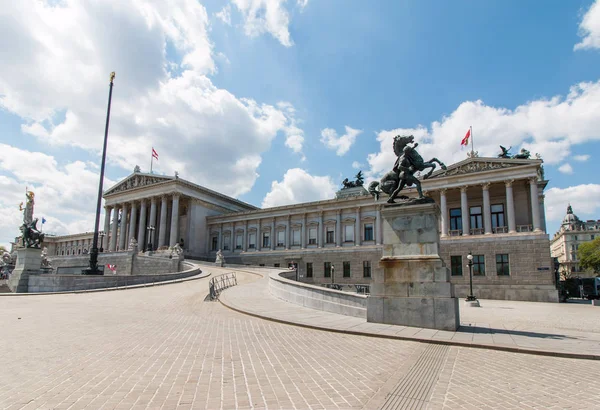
(549, 329)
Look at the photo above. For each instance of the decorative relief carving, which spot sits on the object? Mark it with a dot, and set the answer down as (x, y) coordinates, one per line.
(135, 182)
(476, 166)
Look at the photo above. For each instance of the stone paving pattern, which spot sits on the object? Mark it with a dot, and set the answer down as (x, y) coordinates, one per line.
(168, 347)
(550, 328)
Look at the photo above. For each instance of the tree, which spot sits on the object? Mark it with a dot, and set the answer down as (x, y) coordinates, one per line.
(589, 255)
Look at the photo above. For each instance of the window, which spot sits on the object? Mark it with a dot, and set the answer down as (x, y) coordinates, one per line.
(327, 269)
(498, 216)
(296, 237)
(575, 237)
(593, 236)
(309, 270)
(476, 217)
(238, 241)
(261, 264)
(478, 265)
(226, 240)
(368, 232)
(266, 242)
(215, 243)
(78, 251)
(366, 269)
(312, 236)
(252, 241)
(455, 219)
(348, 233)
(456, 265)
(347, 269)
(277, 265)
(502, 267)
(330, 238)
(281, 238)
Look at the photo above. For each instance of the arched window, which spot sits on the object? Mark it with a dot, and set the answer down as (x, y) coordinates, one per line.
(79, 252)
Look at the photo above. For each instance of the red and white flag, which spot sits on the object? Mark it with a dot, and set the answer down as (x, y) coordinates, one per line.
(465, 140)
(154, 153)
(111, 267)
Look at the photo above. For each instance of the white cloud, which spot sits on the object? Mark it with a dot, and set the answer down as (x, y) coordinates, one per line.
(585, 200)
(566, 169)
(581, 158)
(546, 126)
(266, 16)
(357, 165)
(225, 15)
(589, 28)
(299, 186)
(342, 144)
(63, 102)
(302, 4)
(65, 195)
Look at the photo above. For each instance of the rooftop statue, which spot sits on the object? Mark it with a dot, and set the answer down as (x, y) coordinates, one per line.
(356, 183)
(524, 154)
(505, 152)
(408, 162)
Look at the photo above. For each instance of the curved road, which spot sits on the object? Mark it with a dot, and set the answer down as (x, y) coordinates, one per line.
(167, 347)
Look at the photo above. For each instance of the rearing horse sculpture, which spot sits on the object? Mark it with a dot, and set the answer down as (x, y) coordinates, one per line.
(409, 161)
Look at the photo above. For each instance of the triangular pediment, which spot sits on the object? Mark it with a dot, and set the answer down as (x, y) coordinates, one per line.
(474, 165)
(137, 180)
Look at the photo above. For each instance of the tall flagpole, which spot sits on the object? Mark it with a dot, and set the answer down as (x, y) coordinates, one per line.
(472, 148)
(151, 159)
(93, 269)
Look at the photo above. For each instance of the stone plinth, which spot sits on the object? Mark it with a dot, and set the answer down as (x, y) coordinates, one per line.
(414, 288)
(29, 261)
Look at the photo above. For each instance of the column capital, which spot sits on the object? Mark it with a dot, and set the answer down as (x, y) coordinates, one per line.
(134, 202)
(509, 182)
(175, 195)
(532, 180)
(338, 212)
(463, 189)
(443, 191)
(485, 186)
(164, 197)
(152, 199)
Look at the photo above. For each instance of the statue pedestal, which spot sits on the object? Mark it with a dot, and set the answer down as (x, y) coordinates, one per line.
(29, 261)
(414, 288)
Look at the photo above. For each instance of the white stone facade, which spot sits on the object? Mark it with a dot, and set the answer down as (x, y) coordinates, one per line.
(492, 207)
(566, 241)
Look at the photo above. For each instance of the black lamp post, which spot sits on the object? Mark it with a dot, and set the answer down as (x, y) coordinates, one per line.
(101, 234)
(93, 269)
(471, 298)
(332, 274)
(150, 229)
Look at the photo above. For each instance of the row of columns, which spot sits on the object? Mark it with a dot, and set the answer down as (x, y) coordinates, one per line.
(487, 217)
(303, 235)
(126, 229)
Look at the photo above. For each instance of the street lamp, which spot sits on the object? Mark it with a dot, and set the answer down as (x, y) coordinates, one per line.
(93, 269)
(471, 300)
(101, 234)
(150, 229)
(332, 274)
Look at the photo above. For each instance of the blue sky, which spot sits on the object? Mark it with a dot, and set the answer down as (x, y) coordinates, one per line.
(275, 102)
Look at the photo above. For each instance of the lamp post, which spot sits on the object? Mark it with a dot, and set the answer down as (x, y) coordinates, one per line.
(150, 229)
(101, 234)
(332, 274)
(93, 269)
(471, 300)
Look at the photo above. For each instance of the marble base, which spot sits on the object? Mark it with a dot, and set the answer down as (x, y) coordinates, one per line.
(414, 288)
(596, 302)
(29, 261)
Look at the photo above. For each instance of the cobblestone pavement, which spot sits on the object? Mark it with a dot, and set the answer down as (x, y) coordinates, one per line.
(166, 347)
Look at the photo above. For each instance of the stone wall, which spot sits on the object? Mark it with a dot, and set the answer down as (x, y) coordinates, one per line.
(127, 263)
(316, 297)
(531, 276)
(70, 283)
(337, 256)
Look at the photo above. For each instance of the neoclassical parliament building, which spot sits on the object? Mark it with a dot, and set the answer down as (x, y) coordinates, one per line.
(491, 207)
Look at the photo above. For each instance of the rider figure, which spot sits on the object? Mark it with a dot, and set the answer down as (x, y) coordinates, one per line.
(405, 170)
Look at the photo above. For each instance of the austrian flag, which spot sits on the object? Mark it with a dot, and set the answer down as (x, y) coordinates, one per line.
(154, 153)
(111, 267)
(465, 140)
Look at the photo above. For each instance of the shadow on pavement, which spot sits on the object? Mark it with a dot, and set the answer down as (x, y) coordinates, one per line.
(493, 331)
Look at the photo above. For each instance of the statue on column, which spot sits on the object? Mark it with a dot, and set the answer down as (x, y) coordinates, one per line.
(408, 162)
(32, 237)
(220, 260)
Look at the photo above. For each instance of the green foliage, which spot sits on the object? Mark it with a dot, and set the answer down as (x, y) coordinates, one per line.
(589, 255)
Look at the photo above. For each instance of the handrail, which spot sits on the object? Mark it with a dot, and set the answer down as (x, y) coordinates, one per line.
(219, 283)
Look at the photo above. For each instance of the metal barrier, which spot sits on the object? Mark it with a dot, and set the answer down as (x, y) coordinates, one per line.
(360, 289)
(219, 283)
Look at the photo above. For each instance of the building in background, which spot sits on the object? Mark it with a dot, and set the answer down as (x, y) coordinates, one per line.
(566, 241)
(492, 207)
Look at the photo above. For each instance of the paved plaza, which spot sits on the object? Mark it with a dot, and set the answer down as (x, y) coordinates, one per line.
(168, 347)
